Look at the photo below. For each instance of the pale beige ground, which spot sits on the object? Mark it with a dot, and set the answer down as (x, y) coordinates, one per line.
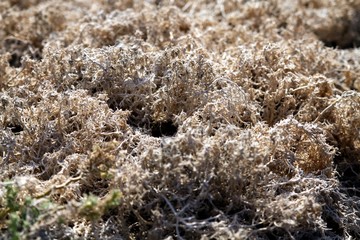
(179, 119)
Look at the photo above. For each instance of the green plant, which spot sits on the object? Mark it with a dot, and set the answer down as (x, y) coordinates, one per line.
(20, 214)
(92, 207)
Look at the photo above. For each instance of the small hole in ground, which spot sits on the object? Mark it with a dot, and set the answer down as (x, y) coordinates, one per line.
(15, 60)
(160, 129)
(143, 122)
(15, 128)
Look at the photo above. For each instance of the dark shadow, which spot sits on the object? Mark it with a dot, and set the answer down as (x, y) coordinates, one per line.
(18, 49)
(344, 35)
(161, 129)
(15, 128)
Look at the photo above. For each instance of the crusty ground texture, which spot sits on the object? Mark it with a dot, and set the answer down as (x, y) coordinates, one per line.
(171, 119)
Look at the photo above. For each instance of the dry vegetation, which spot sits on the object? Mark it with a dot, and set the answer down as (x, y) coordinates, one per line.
(171, 119)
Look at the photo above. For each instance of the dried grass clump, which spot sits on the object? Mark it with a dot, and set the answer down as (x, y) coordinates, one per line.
(179, 119)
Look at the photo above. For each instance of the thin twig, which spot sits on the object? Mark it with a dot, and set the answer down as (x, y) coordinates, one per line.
(70, 180)
(344, 95)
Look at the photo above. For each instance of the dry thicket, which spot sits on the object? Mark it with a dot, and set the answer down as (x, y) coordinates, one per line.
(179, 119)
